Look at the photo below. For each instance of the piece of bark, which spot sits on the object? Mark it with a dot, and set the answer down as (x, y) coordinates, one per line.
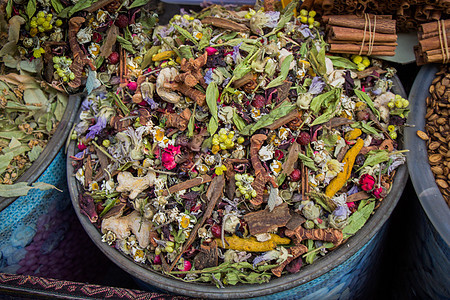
(88, 171)
(97, 5)
(337, 121)
(187, 184)
(116, 210)
(283, 90)
(104, 163)
(249, 77)
(264, 221)
(294, 252)
(342, 152)
(288, 165)
(225, 24)
(332, 235)
(208, 256)
(358, 196)
(295, 221)
(369, 71)
(110, 40)
(284, 120)
(213, 194)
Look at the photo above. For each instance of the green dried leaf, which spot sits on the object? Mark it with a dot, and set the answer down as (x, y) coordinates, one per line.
(375, 157)
(35, 97)
(186, 34)
(308, 162)
(31, 8)
(146, 61)
(365, 98)
(125, 44)
(138, 3)
(342, 62)
(14, 143)
(34, 153)
(22, 188)
(109, 203)
(357, 220)
(5, 160)
(9, 8)
(318, 101)
(191, 123)
(206, 38)
(284, 70)
(286, 16)
(238, 121)
(64, 14)
(317, 60)
(212, 94)
(18, 150)
(365, 127)
(325, 117)
(268, 119)
(80, 5)
(57, 5)
(186, 51)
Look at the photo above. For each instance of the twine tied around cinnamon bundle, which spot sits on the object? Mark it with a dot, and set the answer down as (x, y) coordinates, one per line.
(371, 33)
(443, 41)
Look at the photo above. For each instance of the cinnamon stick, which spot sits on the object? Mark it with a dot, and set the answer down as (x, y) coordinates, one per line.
(355, 49)
(432, 43)
(383, 25)
(188, 184)
(434, 56)
(357, 35)
(428, 30)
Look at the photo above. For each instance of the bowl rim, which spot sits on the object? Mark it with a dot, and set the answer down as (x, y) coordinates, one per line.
(430, 197)
(276, 285)
(52, 148)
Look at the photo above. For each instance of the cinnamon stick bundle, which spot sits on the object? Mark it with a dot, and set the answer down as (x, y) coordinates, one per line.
(367, 35)
(434, 41)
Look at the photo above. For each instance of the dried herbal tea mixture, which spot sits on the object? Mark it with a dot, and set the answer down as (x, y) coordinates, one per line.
(229, 147)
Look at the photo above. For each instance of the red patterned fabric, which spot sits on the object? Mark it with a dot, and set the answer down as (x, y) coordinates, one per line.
(27, 286)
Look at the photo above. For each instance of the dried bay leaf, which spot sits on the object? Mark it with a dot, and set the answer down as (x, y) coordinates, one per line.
(110, 40)
(4, 161)
(35, 97)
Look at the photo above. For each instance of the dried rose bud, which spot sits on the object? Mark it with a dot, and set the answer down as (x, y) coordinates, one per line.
(121, 21)
(113, 58)
(278, 155)
(132, 85)
(211, 50)
(295, 175)
(216, 231)
(367, 182)
(303, 138)
(157, 260)
(81, 146)
(186, 266)
(96, 37)
(259, 101)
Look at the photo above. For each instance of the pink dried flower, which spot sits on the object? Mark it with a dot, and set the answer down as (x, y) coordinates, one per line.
(81, 146)
(168, 156)
(377, 192)
(157, 260)
(186, 266)
(367, 182)
(132, 85)
(211, 50)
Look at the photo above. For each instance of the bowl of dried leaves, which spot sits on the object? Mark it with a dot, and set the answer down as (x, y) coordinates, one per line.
(428, 141)
(228, 149)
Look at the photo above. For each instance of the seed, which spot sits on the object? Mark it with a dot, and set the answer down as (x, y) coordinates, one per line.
(434, 145)
(435, 158)
(442, 183)
(422, 135)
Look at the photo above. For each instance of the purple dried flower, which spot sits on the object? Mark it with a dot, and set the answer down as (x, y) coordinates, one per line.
(208, 76)
(236, 55)
(94, 130)
(272, 20)
(305, 31)
(151, 102)
(316, 86)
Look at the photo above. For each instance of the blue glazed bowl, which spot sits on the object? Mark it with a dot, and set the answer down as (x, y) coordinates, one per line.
(347, 272)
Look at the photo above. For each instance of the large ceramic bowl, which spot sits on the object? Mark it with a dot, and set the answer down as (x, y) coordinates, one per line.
(288, 286)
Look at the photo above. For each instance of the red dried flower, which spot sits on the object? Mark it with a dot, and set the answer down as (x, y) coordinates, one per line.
(113, 58)
(278, 154)
(303, 138)
(121, 21)
(367, 182)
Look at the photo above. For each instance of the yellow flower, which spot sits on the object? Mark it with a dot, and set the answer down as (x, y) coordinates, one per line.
(159, 135)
